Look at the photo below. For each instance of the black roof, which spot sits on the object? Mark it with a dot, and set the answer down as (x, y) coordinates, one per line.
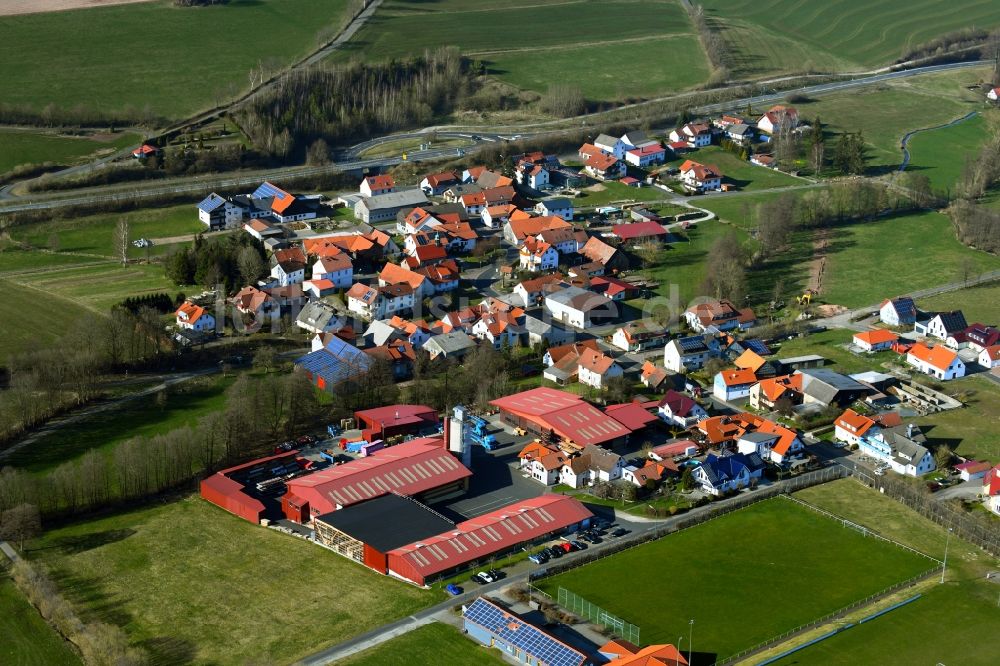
(953, 321)
(388, 522)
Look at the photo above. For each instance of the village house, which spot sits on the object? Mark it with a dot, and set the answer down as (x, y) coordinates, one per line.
(900, 312)
(217, 213)
(634, 337)
(385, 207)
(990, 357)
(559, 207)
(937, 361)
(380, 302)
(733, 384)
(647, 155)
(713, 316)
(613, 288)
(766, 393)
(542, 463)
(495, 217)
(532, 292)
(976, 337)
(318, 317)
(653, 376)
(255, 303)
(338, 269)
(942, 325)
(593, 465)
(689, 353)
(537, 255)
(435, 184)
(562, 362)
(194, 318)
(516, 229)
(694, 135)
(720, 475)
(778, 118)
(901, 447)
(374, 185)
(700, 177)
(455, 344)
(991, 488)
(609, 145)
(595, 369)
(603, 167)
(678, 409)
(579, 308)
(878, 339)
(740, 134)
(535, 176)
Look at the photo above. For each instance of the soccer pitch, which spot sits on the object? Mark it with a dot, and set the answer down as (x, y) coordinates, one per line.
(743, 578)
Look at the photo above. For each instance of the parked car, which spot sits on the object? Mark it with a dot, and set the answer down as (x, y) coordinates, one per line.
(556, 551)
(483, 577)
(453, 590)
(567, 547)
(619, 532)
(578, 545)
(540, 558)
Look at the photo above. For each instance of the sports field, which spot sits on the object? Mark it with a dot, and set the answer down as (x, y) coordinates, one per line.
(535, 43)
(25, 638)
(191, 583)
(856, 33)
(945, 626)
(941, 154)
(154, 57)
(38, 147)
(438, 644)
(767, 568)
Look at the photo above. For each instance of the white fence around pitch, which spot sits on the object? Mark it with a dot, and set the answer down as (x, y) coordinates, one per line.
(594, 613)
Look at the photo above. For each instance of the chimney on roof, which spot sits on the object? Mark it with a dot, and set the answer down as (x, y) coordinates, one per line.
(909, 430)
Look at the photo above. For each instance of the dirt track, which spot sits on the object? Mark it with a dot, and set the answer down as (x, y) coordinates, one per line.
(12, 7)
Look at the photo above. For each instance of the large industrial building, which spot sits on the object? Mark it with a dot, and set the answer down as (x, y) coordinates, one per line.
(398, 536)
(242, 490)
(385, 422)
(421, 468)
(544, 410)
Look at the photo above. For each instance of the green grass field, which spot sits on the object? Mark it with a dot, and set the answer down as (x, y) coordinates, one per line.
(37, 147)
(15, 260)
(193, 584)
(875, 260)
(25, 638)
(94, 234)
(737, 172)
(535, 43)
(153, 56)
(972, 430)
(769, 568)
(32, 318)
(853, 32)
(141, 417)
(439, 644)
(829, 344)
(945, 626)
(941, 154)
(615, 192)
(101, 286)
(980, 304)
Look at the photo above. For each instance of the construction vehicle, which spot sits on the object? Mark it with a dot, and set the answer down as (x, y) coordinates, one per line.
(806, 297)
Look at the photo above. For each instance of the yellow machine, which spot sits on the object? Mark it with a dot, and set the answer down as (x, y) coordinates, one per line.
(806, 298)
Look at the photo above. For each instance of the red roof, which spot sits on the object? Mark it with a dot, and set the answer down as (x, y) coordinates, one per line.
(383, 182)
(397, 415)
(991, 482)
(407, 469)
(569, 415)
(639, 230)
(492, 532)
(631, 414)
(648, 149)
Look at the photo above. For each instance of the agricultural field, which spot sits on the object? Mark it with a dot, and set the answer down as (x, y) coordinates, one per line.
(736, 172)
(39, 146)
(980, 304)
(94, 234)
(941, 154)
(860, 272)
(972, 430)
(191, 583)
(849, 35)
(435, 643)
(525, 33)
(966, 597)
(155, 59)
(140, 417)
(41, 318)
(25, 638)
(748, 550)
(100, 286)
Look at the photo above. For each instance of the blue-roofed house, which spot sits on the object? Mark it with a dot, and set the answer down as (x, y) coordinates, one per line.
(335, 363)
(718, 475)
(495, 626)
(217, 212)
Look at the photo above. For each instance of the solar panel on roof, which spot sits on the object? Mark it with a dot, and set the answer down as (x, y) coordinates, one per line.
(691, 344)
(211, 202)
(515, 631)
(269, 190)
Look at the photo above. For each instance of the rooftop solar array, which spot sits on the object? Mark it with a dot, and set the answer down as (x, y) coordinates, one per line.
(691, 343)
(269, 190)
(512, 630)
(757, 347)
(211, 202)
(337, 362)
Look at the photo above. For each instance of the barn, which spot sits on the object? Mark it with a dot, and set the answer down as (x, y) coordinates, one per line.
(545, 410)
(236, 489)
(421, 468)
(489, 535)
(393, 420)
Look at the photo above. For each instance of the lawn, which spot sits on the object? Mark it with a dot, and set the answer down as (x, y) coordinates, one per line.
(25, 638)
(950, 620)
(941, 154)
(39, 146)
(94, 234)
(739, 173)
(755, 563)
(154, 58)
(99, 287)
(870, 261)
(32, 318)
(829, 344)
(436, 643)
(141, 417)
(972, 430)
(980, 304)
(613, 192)
(16, 260)
(193, 584)
(854, 32)
(535, 43)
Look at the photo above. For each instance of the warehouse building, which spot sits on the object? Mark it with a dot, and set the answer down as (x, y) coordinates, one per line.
(421, 468)
(542, 411)
(250, 490)
(393, 420)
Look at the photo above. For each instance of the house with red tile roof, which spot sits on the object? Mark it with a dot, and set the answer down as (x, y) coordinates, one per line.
(393, 274)
(778, 118)
(878, 339)
(612, 259)
(516, 230)
(937, 361)
(647, 155)
(374, 185)
(634, 336)
(252, 301)
(700, 177)
(766, 393)
(990, 357)
(604, 167)
(596, 369)
(652, 375)
(194, 317)
(640, 232)
(435, 184)
(533, 291)
(537, 256)
(733, 384)
(623, 653)
(991, 489)
(718, 315)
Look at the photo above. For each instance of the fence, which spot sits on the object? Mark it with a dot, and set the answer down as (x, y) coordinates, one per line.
(594, 613)
(860, 603)
(979, 533)
(866, 531)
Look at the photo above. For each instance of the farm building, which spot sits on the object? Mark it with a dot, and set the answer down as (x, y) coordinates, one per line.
(392, 420)
(495, 626)
(491, 534)
(420, 468)
(338, 361)
(544, 410)
(236, 489)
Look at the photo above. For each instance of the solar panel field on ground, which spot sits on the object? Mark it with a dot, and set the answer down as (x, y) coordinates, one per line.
(744, 578)
(535, 43)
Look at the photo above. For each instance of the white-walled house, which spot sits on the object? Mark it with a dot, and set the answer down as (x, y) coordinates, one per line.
(700, 177)
(689, 353)
(610, 145)
(194, 317)
(595, 369)
(942, 325)
(718, 475)
(990, 357)
(937, 361)
(375, 185)
(536, 255)
(338, 269)
(216, 212)
(677, 408)
(288, 272)
(898, 311)
(558, 207)
(577, 307)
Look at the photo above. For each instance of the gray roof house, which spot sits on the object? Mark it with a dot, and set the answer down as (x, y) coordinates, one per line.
(826, 387)
(383, 207)
(318, 317)
(449, 345)
(539, 330)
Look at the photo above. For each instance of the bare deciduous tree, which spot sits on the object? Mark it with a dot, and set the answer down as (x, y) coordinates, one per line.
(120, 240)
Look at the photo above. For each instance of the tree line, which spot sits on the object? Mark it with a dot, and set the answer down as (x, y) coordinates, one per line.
(977, 225)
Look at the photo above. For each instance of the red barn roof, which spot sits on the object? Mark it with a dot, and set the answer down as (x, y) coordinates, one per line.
(639, 230)
(397, 415)
(569, 415)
